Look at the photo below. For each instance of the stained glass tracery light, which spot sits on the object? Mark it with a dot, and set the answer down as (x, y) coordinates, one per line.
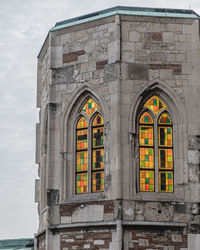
(94, 146)
(155, 104)
(90, 107)
(148, 154)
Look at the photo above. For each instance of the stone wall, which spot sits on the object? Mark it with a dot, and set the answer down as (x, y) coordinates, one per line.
(86, 239)
(155, 238)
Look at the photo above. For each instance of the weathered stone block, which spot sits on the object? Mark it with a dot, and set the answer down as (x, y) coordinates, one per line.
(155, 211)
(138, 71)
(63, 75)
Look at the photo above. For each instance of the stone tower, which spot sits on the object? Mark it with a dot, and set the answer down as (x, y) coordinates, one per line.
(119, 134)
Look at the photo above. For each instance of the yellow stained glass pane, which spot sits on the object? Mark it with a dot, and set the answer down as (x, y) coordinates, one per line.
(81, 161)
(90, 107)
(155, 104)
(81, 183)
(165, 119)
(166, 181)
(146, 135)
(146, 118)
(165, 136)
(81, 139)
(97, 159)
(146, 158)
(98, 181)
(98, 120)
(146, 181)
(97, 137)
(165, 158)
(82, 123)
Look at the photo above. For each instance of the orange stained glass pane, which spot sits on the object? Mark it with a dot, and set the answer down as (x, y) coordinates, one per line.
(166, 181)
(81, 161)
(155, 104)
(81, 183)
(90, 107)
(146, 136)
(98, 120)
(165, 119)
(146, 118)
(146, 158)
(98, 181)
(82, 123)
(146, 181)
(165, 136)
(82, 139)
(98, 137)
(165, 158)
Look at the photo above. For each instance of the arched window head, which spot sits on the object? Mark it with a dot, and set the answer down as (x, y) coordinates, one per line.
(155, 142)
(89, 149)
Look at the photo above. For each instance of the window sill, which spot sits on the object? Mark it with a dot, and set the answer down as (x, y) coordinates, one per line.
(84, 198)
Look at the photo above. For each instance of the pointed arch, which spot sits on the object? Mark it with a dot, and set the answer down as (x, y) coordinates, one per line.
(73, 111)
(174, 157)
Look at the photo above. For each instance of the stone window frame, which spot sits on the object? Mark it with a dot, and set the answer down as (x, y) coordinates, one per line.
(178, 115)
(69, 115)
(90, 149)
(156, 146)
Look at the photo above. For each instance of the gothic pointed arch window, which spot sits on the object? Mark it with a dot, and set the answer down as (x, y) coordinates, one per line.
(155, 147)
(89, 166)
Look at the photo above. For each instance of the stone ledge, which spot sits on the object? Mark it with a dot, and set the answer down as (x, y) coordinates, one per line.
(83, 225)
(150, 223)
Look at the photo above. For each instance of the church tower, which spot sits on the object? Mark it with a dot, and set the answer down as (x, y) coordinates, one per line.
(118, 137)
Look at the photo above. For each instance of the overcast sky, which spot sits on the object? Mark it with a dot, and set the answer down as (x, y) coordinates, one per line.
(24, 25)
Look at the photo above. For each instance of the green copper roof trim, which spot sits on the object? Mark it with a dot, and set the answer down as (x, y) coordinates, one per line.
(123, 12)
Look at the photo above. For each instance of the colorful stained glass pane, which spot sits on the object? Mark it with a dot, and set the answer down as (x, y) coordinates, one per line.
(81, 183)
(146, 118)
(98, 181)
(81, 139)
(82, 123)
(165, 119)
(146, 136)
(90, 107)
(98, 120)
(165, 136)
(166, 181)
(97, 137)
(165, 159)
(97, 159)
(146, 158)
(81, 161)
(146, 181)
(155, 104)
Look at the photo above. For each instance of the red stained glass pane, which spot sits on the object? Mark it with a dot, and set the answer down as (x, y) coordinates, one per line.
(146, 118)
(146, 181)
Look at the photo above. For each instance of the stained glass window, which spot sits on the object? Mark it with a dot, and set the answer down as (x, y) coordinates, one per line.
(161, 128)
(97, 154)
(146, 142)
(90, 141)
(165, 153)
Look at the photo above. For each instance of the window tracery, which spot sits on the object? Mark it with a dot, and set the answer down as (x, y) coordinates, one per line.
(90, 149)
(155, 147)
